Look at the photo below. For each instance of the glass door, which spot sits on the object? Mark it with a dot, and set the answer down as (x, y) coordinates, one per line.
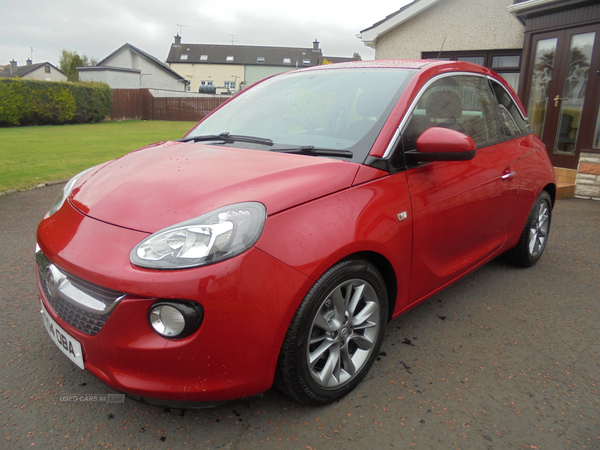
(562, 92)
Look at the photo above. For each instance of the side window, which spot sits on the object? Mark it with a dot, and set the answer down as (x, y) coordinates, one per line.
(462, 103)
(511, 121)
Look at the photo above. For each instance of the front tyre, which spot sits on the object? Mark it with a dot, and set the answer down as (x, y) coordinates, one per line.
(535, 234)
(335, 335)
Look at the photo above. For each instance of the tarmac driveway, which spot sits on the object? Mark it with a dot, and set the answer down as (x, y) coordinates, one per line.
(505, 358)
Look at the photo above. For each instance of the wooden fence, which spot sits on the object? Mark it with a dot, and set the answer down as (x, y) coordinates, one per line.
(141, 104)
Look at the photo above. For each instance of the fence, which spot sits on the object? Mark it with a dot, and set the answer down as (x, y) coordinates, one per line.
(141, 104)
(129, 104)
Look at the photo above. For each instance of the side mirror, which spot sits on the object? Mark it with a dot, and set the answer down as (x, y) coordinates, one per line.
(443, 144)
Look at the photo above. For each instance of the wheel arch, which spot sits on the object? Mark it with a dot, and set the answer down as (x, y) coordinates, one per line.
(551, 190)
(389, 276)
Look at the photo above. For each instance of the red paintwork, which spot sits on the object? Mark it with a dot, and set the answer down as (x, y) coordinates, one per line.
(239, 308)
(320, 210)
(179, 182)
(435, 140)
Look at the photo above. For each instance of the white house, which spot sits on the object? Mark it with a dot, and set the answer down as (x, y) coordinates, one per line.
(40, 71)
(131, 68)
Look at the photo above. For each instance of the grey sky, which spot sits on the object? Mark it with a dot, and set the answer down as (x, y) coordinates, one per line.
(98, 27)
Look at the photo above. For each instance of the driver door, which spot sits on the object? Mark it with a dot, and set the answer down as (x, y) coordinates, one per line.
(461, 209)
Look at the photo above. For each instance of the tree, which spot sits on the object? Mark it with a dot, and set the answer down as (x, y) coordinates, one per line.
(69, 61)
(357, 56)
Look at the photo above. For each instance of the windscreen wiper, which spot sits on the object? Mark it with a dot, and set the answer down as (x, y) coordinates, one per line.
(226, 137)
(311, 150)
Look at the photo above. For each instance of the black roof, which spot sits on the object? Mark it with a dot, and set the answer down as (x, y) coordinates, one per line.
(243, 55)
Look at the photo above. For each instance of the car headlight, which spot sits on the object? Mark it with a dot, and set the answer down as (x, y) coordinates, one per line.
(210, 238)
(65, 192)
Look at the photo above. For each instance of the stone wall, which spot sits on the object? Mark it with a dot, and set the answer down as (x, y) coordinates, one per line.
(588, 177)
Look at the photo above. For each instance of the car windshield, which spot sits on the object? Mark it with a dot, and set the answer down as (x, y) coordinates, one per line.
(332, 112)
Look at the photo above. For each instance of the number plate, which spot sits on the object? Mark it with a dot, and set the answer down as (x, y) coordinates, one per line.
(63, 341)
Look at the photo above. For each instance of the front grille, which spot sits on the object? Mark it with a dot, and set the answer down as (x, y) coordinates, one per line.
(68, 309)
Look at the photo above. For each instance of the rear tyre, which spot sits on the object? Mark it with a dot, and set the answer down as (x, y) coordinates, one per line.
(335, 335)
(534, 237)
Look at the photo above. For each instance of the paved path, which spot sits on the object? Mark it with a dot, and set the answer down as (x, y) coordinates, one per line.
(505, 359)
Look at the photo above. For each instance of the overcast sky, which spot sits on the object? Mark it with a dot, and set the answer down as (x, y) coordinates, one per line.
(98, 27)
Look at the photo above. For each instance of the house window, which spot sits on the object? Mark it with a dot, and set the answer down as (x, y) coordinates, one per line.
(287, 60)
(184, 57)
(230, 85)
(206, 83)
(203, 57)
(306, 62)
(260, 59)
(229, 58)
(512, 78)
(473, 59)
(507, 63)
(47, 69)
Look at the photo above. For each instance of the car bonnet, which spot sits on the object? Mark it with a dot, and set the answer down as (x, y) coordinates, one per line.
(164, 184)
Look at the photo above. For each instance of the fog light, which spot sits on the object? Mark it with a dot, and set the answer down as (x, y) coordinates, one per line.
(175, 319)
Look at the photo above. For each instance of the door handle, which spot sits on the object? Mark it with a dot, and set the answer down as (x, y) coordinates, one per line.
(556, 99)
(508, 174)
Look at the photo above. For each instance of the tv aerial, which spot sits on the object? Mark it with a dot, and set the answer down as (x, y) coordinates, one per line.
(180, 28)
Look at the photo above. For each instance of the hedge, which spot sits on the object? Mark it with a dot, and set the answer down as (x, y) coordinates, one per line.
(33, 102)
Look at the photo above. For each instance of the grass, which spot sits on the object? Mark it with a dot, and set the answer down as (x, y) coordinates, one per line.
(33, 155)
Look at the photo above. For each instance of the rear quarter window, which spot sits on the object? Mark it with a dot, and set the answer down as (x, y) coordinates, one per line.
(511, 121)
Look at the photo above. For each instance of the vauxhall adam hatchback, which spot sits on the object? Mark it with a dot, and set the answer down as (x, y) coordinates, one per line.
(275, 241)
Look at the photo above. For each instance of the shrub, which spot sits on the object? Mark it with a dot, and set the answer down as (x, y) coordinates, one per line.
(11, 103)
(94, 100)
(32, 102)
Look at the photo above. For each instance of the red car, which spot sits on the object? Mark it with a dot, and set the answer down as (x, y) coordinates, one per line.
(275, 241)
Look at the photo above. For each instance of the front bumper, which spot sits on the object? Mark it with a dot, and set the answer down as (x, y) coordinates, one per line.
(248, 304)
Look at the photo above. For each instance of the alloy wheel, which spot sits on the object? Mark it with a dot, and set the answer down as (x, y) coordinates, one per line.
(343, 333)
(538, 232)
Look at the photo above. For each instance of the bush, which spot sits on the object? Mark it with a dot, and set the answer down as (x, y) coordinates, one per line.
(93, 100)
(11, 103)
(32, 102)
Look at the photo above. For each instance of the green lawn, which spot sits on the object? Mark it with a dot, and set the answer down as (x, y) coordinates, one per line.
(34, 155)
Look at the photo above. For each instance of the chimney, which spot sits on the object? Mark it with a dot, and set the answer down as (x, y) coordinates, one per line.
(177, 40)
(29, 61)
(316, 48)
(13, 67)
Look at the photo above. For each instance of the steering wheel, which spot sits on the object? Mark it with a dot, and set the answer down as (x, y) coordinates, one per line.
(300, 121)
